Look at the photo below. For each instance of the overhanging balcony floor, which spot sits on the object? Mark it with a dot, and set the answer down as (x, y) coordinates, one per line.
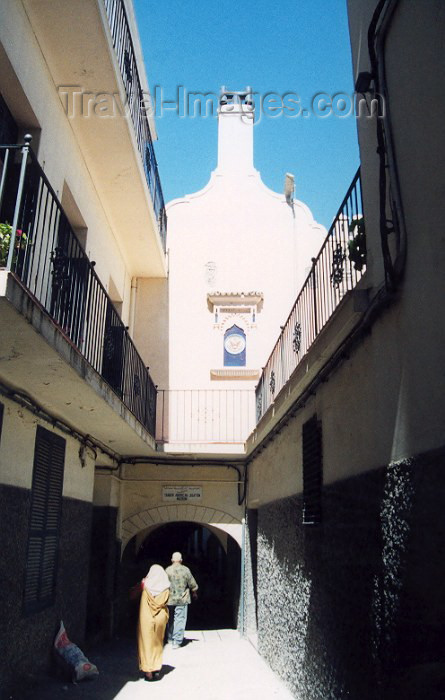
(36, 358)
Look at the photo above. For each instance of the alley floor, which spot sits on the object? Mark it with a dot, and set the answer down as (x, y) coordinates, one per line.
(212, 665)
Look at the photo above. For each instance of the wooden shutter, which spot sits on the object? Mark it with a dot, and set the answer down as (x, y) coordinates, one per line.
(46, 503)
(312, 471)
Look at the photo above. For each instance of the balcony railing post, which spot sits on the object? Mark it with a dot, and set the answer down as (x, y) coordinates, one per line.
(18, 201)
(314, 295)
(163, 416)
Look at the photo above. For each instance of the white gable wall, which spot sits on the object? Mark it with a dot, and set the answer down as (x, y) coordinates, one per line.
(257, 242)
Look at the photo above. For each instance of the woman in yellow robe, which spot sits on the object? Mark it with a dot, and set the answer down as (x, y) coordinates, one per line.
(153, 617)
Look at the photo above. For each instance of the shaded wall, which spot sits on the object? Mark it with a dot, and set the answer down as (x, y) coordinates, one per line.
(104, 563)
(27, 640)
(354, 607)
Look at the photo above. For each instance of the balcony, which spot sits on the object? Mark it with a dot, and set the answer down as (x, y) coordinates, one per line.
(335, 272)
(101, 84)
(48, 263)
(211, 420)
(126, 57)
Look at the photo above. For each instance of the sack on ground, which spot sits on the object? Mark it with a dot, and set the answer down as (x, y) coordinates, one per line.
(73, 660)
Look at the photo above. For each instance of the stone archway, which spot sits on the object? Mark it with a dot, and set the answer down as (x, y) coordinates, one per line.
(160, 515)
(215, 560)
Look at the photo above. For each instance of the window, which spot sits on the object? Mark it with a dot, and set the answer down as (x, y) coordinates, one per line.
(312, 471)
(46, 505)
(234, 347)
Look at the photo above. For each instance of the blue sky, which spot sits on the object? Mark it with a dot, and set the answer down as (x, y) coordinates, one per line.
(298, 46)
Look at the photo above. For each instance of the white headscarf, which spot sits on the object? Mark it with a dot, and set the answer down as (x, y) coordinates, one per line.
(156, 580)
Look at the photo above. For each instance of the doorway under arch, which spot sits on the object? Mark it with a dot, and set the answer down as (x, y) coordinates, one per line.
(214, 558)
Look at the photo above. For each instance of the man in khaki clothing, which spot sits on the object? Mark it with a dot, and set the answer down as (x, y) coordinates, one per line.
(181, 583)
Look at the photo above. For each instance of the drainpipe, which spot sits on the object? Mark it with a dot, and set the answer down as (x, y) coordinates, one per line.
(382, 27)
(243, 576)
(377, 31)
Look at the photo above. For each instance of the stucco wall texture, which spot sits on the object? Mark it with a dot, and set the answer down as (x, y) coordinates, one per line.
(353, 607)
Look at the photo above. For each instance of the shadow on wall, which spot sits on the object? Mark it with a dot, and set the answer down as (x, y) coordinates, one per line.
(216, 571)
(315, 587)
(354, 607)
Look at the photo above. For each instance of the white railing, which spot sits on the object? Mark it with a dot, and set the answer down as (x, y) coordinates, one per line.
(223, 416)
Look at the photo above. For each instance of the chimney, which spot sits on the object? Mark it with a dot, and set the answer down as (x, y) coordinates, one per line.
(236, 116)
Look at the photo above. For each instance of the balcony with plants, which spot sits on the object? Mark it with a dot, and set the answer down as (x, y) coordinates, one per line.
(335, 273)
(43, 256)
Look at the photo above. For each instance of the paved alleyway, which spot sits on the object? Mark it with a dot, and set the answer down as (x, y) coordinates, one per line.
(213, 665)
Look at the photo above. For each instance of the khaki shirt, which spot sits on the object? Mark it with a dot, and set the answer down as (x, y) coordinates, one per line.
(181, 583)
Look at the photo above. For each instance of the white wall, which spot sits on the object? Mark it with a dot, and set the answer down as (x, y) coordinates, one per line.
(385, 401)
(258, 242)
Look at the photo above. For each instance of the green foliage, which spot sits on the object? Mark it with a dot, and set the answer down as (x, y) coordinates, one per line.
(5, 237)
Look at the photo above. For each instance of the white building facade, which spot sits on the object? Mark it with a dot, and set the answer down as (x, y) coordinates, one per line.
(238, 254)
(80, 193)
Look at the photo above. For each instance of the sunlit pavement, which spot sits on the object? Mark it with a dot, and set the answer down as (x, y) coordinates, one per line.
(212, 665)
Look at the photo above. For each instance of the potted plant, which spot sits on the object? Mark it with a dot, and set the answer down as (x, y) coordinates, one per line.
(357, 244)
(5, 237)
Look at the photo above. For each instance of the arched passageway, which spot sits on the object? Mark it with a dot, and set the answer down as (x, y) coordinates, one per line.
(214, 558)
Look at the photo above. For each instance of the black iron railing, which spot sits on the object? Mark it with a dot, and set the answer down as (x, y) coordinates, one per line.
(136, 100)
(223, 416)
(49, 260)
(335, 271)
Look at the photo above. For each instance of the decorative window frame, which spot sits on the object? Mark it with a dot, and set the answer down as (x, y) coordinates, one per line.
(239, 309)
(226, 305)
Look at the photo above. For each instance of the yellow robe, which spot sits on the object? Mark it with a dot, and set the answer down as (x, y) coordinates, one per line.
(153, 617)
